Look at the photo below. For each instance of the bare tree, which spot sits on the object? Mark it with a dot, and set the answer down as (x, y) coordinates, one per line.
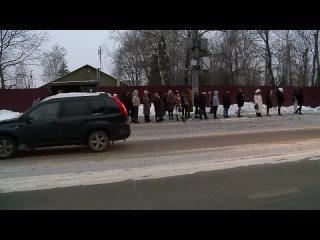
(288, 69)
(303, 51)
(316, 58)
(235, 58)
(311, 38)
(172, 61)
(238, 57)
(143, 55)
(52, 62)
(131, 57)
(265, 36)
(22, 78)
(18, 46)
(282, 57)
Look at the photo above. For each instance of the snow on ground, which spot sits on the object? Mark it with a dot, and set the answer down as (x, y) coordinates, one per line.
(201, 161)
(247, 109)
(5, 114)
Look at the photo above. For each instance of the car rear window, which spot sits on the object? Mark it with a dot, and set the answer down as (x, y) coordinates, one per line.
(97, 106)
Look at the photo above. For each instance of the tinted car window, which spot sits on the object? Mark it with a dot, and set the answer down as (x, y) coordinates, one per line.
(46, 111)
(97, 106)
(75, 108)
(112, 105)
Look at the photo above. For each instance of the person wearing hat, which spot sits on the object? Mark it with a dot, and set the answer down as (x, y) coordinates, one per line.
(280, 99)
(240, 100)
(258, 102)
(226, 102)
(202, 106)
(170, 104)
(135, 105)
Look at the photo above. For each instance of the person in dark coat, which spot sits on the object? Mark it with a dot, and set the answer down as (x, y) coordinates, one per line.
(163, 96)
(127, 102)
(185, 105)
(196, 103)
(170, 104)
(158, 107)
(190, 101)
(203, 104)
(211, 102)
(123, 99)
(280, 99)
(269, 102)
(240, 101)
(146, 106)
(226, 102)
(300, 99)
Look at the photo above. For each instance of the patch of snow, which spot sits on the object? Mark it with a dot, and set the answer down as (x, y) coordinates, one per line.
(73, 94)
(6, 114)
(247, 109)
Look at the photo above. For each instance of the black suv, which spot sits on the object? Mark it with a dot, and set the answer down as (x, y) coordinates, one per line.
(92, 119)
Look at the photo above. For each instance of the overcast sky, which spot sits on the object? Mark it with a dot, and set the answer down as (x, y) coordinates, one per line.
(82, 48)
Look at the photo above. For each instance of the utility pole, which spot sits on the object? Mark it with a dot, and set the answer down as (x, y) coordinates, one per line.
(98, 72)
(196, 43)
(195, 62)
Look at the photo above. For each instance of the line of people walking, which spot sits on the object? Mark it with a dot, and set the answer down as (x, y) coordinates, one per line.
(179, 106)
(297, 99)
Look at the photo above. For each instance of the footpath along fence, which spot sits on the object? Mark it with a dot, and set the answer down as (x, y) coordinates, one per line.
(19, 100)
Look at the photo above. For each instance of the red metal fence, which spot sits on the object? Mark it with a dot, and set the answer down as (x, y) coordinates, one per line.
(19, 100)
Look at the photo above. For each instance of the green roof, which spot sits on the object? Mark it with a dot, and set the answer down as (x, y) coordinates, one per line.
(85, 75)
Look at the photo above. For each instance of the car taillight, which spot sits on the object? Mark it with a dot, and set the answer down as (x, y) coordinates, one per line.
(123, 109)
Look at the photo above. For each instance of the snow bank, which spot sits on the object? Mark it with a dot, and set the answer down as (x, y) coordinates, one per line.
(247, 109)
(5, 114)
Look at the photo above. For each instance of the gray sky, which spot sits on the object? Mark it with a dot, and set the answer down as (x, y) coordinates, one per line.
(82, 48)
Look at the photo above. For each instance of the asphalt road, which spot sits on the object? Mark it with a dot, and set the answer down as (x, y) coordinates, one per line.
(140, 153)
(155, 143)
(170, 166)
(282, 186)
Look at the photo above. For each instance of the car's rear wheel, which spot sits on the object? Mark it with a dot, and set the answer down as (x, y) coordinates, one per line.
(7, 147)
(98, 141)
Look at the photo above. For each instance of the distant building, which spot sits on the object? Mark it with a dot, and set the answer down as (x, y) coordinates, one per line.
(84, 79)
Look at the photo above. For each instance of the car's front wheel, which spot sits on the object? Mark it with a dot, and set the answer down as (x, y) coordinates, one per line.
(98, 141)
(7, 147)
